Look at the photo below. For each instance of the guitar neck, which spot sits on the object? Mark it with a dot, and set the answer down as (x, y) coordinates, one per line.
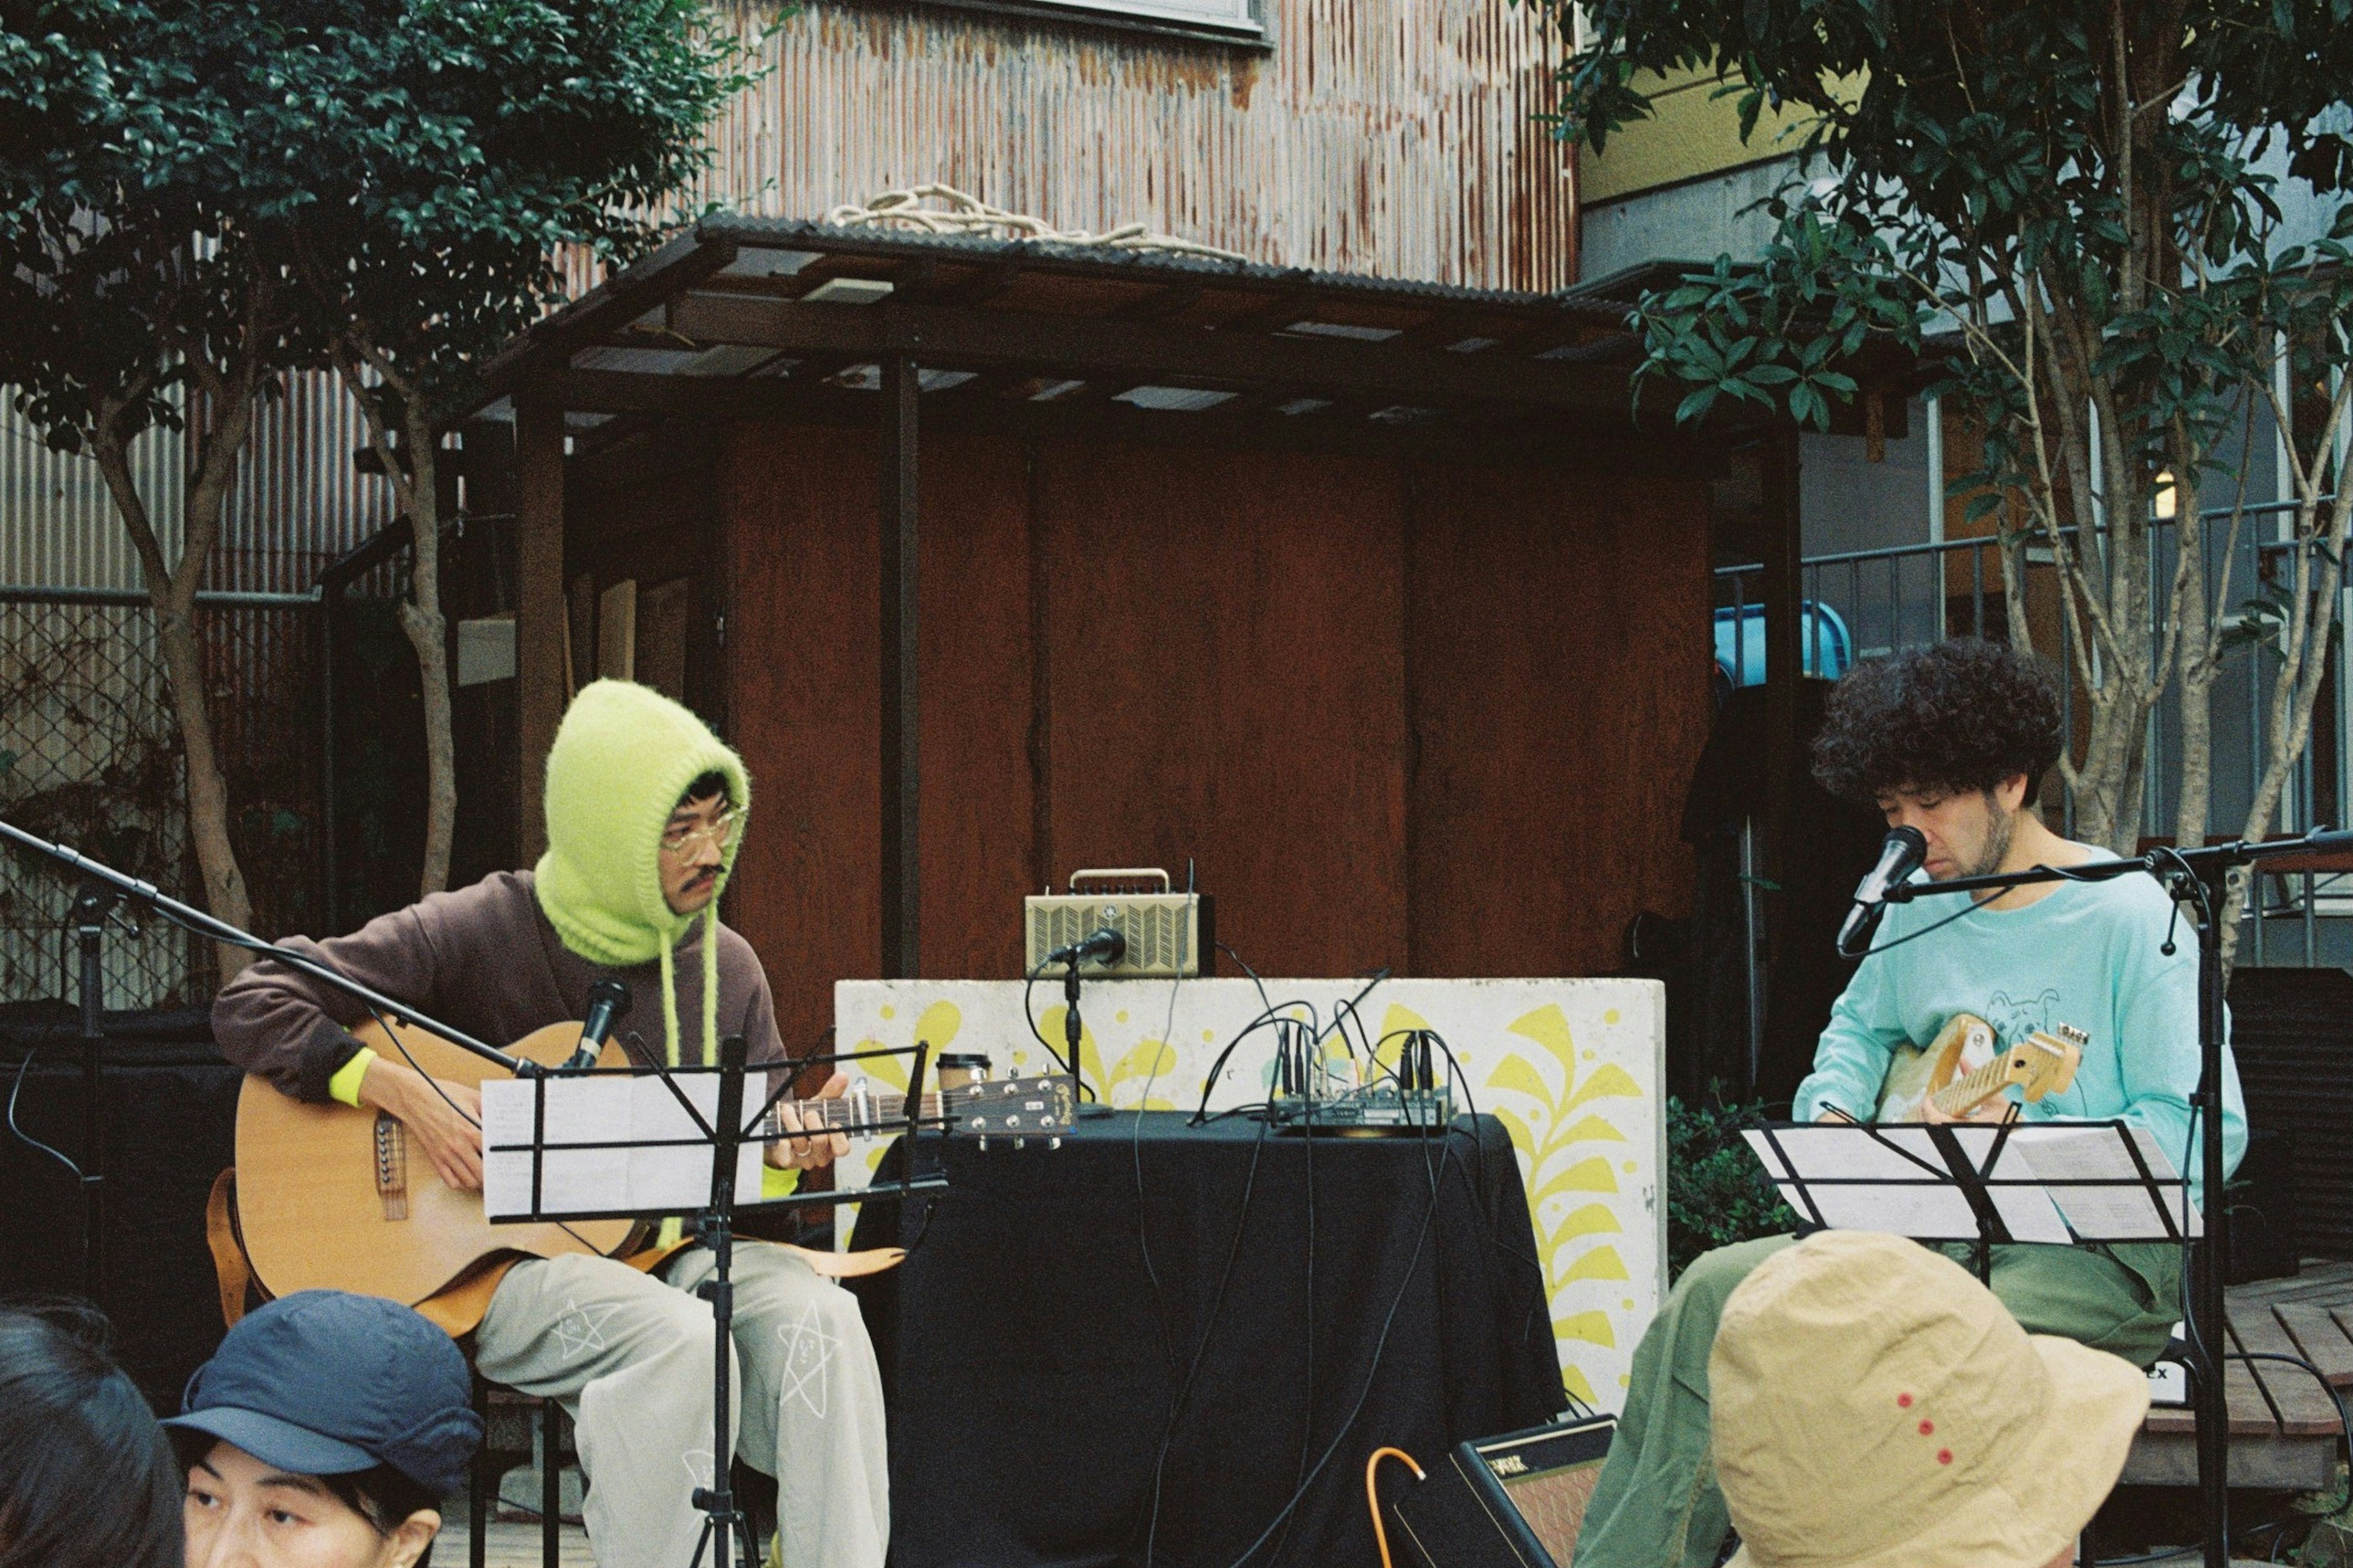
(849, 1111)
(1963, 1095)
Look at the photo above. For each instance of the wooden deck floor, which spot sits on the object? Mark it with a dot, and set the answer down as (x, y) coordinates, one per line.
(2285, 1431)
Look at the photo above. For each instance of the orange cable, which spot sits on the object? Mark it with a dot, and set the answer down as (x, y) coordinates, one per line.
(1372, 1498)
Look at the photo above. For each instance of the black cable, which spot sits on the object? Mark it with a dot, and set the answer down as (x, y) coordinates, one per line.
(1372, 1374)
(1201, 1350)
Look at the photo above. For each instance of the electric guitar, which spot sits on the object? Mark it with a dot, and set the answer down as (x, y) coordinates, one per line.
(2041, 1064)
(334, 1196)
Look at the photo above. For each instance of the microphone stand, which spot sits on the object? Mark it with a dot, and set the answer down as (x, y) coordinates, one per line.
(91, 906)
(98, 877)
(2195, 877)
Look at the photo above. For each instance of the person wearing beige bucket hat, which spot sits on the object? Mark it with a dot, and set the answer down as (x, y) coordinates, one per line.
(1876, 1407)
(1952, 741)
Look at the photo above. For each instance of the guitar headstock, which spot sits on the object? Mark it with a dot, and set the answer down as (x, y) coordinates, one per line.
(1038, 1104)
(2045, 1063)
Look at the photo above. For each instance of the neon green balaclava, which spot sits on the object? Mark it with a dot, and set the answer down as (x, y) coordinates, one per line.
(623, 756)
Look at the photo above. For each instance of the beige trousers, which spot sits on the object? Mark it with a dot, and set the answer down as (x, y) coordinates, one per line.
(628, 1356)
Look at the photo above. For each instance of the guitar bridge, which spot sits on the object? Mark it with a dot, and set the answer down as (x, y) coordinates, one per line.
(392, 1166)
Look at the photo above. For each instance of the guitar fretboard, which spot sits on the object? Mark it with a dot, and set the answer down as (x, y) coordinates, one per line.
(850, 1111)
(1963, 1093)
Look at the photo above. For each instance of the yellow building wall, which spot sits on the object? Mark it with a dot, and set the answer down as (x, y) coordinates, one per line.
(1691, 132)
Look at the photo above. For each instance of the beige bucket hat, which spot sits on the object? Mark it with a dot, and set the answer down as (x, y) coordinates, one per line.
(1874, 1406)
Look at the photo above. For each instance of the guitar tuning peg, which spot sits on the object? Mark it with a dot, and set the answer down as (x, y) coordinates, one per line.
(1053, 1143)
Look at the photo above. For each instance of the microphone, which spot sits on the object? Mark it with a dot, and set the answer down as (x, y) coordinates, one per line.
(609, 1003)
(1107, 945)
(1898, 859)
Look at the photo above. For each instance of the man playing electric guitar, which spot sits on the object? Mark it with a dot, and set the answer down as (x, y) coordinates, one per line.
(1954, 740)
(645, 815)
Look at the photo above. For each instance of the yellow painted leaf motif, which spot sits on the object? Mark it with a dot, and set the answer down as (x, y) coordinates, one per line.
(1548, 1027)
(1574, 1381)
(1518, 1075)
(891, 1070)
(1603, 1082)
(1599, 1263)
(1592, 1129)
(938, 1026)
(1592, 1175)
(1149, 1058)
(1593, 1219)
(1593, 1328)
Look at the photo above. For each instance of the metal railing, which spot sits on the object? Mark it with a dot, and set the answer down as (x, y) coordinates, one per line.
(1892, 599)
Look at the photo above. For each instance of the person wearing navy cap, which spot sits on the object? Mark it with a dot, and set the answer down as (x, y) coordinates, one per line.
(324, 1434)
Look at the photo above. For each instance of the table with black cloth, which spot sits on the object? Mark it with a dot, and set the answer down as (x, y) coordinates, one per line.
(1031, 1365)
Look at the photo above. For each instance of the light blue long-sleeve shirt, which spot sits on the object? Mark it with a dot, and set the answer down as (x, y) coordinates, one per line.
(2086, 953)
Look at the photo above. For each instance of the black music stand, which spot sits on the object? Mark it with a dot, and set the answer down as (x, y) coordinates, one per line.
(726, 1528)
(1986, 1185)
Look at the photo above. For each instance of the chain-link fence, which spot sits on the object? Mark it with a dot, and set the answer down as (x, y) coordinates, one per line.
(90, 755)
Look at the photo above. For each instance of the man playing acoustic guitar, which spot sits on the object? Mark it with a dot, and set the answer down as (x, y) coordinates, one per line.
(645, 815)
(1954, 740)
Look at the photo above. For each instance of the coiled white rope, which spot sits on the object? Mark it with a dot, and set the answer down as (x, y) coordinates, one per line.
(968, 214)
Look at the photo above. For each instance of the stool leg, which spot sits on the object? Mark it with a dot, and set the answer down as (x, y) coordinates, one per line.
(551, 1484)
(477, 1501)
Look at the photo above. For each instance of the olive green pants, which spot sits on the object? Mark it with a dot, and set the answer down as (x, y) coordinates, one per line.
(1656, 1504)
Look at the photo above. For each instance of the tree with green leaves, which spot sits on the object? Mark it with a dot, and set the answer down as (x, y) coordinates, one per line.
(132, 301)
(197, 196)
(2079, 216)
(447, 154)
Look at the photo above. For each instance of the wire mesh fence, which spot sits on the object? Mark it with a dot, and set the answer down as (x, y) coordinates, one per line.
(90, 755)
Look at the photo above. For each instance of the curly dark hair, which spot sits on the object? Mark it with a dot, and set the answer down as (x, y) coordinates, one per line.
(1961, 715)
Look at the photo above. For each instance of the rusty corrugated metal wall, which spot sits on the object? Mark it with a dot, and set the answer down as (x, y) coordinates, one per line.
(1391, 137)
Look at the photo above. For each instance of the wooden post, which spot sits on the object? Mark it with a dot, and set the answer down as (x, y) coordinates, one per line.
(542, 627)
(902, 845)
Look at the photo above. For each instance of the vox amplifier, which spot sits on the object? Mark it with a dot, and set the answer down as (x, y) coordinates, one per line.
(1168, 933)
(1510, 1502)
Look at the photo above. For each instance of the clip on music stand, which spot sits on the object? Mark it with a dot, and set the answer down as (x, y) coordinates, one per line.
(558, 1147)
(1983, 1183)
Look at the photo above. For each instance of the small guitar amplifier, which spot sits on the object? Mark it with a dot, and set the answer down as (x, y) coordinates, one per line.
(1510, 1501)
(1168, 933)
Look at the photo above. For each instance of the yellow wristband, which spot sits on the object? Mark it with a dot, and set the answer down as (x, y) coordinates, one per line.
(778, 1183)
(346, 1085)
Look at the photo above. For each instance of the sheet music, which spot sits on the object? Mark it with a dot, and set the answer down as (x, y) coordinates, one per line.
(604, 1109)
(1860, 1183)
(2120, 1208)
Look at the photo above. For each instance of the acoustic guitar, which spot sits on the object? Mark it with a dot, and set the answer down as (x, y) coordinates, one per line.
(332, 1196)
(1963, 1067)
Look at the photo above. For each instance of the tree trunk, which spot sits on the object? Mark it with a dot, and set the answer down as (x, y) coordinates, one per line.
(172, 593)
(428, 632)
(225, 895)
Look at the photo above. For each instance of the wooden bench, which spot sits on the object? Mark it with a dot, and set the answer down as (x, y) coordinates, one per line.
(2285, 1431)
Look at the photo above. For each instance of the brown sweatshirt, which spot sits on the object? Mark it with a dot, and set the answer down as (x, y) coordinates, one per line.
(483, 960)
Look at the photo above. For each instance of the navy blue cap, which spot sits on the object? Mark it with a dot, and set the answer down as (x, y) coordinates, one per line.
(324, 1382)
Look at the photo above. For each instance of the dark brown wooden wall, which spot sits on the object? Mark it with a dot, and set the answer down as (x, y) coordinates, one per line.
(1394, 711)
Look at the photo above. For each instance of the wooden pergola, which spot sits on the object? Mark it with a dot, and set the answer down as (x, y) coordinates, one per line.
(910, 333)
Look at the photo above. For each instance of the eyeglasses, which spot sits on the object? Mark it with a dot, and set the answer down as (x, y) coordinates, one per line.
(681, 838)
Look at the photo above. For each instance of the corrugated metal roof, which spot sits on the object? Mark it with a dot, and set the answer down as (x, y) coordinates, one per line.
(1390, 138)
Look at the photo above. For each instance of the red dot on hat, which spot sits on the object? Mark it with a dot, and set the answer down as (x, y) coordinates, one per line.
(1944, 1456)
(1926, 1427)
(1903, 1402)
